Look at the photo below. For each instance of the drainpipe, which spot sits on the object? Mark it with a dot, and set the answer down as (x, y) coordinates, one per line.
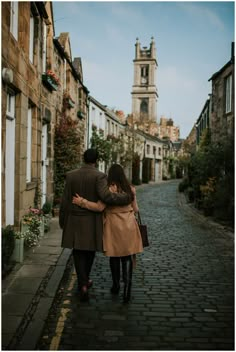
(88, 122)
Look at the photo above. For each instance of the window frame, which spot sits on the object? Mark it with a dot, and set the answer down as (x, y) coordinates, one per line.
(11, 103)
(29, 145)
(14, 19)
(31, 39)
(44, 56)
(228, 94)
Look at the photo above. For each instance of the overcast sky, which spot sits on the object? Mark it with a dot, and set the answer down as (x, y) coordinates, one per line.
(193, 41)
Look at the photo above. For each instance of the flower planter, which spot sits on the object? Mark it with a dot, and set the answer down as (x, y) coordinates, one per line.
(47, 220)
(56, 212)
(18, 253)
(24, 227)
(41, 227)
(80, 115)
(49, 82)
(69, 102)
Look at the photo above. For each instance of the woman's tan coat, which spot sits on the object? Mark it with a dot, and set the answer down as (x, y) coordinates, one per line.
(121, 232)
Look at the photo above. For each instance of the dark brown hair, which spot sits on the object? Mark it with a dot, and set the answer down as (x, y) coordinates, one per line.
(117, 176)
(90, 156)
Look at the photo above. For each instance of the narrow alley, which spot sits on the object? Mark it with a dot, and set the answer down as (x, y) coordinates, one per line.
(182, 293)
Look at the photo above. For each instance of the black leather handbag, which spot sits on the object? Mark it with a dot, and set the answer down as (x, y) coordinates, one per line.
(143, 231)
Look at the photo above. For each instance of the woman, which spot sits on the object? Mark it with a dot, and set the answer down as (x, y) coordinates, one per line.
(121, 235)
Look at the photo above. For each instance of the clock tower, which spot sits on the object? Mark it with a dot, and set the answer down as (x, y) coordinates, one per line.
(144, 91)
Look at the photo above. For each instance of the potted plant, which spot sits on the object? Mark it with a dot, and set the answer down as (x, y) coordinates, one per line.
(18, 253)
(47, 214)
(31, 239)
(50, 80)
(32, 221)
(8, 243)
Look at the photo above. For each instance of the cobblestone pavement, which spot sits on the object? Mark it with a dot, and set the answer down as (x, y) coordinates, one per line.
(182, 293)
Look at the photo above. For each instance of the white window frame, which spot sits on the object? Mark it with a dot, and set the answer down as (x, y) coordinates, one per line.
(14, 19)
(10, 106)
(29, 145)
(31, 39)
(228, 94)
(44, 58)
(64, 75)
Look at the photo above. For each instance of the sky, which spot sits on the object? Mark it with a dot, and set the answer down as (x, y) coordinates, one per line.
(193, 41)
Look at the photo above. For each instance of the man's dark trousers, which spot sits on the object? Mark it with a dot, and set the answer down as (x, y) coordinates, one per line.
(83, 261)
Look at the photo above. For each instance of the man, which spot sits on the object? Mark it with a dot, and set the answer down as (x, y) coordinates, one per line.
(82, 228)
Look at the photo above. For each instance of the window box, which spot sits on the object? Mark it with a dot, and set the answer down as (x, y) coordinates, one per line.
(70, 103)
(49, 82)
(80, 114)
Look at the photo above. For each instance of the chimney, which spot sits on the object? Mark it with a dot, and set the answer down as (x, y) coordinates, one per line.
(232, 51)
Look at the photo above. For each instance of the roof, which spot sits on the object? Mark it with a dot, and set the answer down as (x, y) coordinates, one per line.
(216, 74)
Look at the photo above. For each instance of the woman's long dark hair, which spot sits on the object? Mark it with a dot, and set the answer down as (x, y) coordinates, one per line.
(117, 176)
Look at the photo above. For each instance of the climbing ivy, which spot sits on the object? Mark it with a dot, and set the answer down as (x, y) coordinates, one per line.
(67, 152)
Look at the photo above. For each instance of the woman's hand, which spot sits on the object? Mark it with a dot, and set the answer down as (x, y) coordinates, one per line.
(77, 200)
(113, 188)
(133, 190)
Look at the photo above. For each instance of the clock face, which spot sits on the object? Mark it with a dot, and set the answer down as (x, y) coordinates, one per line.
(144, 79)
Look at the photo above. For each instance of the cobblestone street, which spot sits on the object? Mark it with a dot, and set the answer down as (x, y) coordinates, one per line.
(182, 293)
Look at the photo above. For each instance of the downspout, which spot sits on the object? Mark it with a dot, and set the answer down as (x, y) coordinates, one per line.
(88, 121)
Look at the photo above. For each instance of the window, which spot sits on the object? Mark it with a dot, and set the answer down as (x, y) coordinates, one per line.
(64, 75)
(148, 149)
(10, 107)
(31, 39)
(228, 94)
(14, 19)
(144, 74)
(159, 151)
(44, 47)
(144, 106)
(108, 127)
(29, 145)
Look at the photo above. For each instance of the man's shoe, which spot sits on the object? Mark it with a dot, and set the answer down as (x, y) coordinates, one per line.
(83, 294)
(115, 289)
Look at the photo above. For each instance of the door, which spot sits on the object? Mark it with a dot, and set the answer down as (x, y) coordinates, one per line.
(44, 164)
(156, 171)
(10, 160)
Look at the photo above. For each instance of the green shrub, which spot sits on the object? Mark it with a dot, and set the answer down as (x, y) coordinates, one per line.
(47, 207)
(224, 200)
(183, 185)
(8, 244)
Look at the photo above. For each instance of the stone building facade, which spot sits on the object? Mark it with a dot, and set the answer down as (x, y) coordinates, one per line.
(167, 129)
(203, 120)
(222, 101)
(38, 80)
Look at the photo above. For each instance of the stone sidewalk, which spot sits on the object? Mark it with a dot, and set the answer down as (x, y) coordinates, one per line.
(28, 291)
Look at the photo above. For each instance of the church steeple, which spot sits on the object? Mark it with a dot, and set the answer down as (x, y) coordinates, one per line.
(144, 92)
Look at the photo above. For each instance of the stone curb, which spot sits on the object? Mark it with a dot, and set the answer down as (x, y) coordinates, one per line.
(206, 220)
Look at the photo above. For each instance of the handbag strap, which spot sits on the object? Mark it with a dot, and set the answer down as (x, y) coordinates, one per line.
(139, 218)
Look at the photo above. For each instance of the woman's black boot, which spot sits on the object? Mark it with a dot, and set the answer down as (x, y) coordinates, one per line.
(127, 270)
(115, 272)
